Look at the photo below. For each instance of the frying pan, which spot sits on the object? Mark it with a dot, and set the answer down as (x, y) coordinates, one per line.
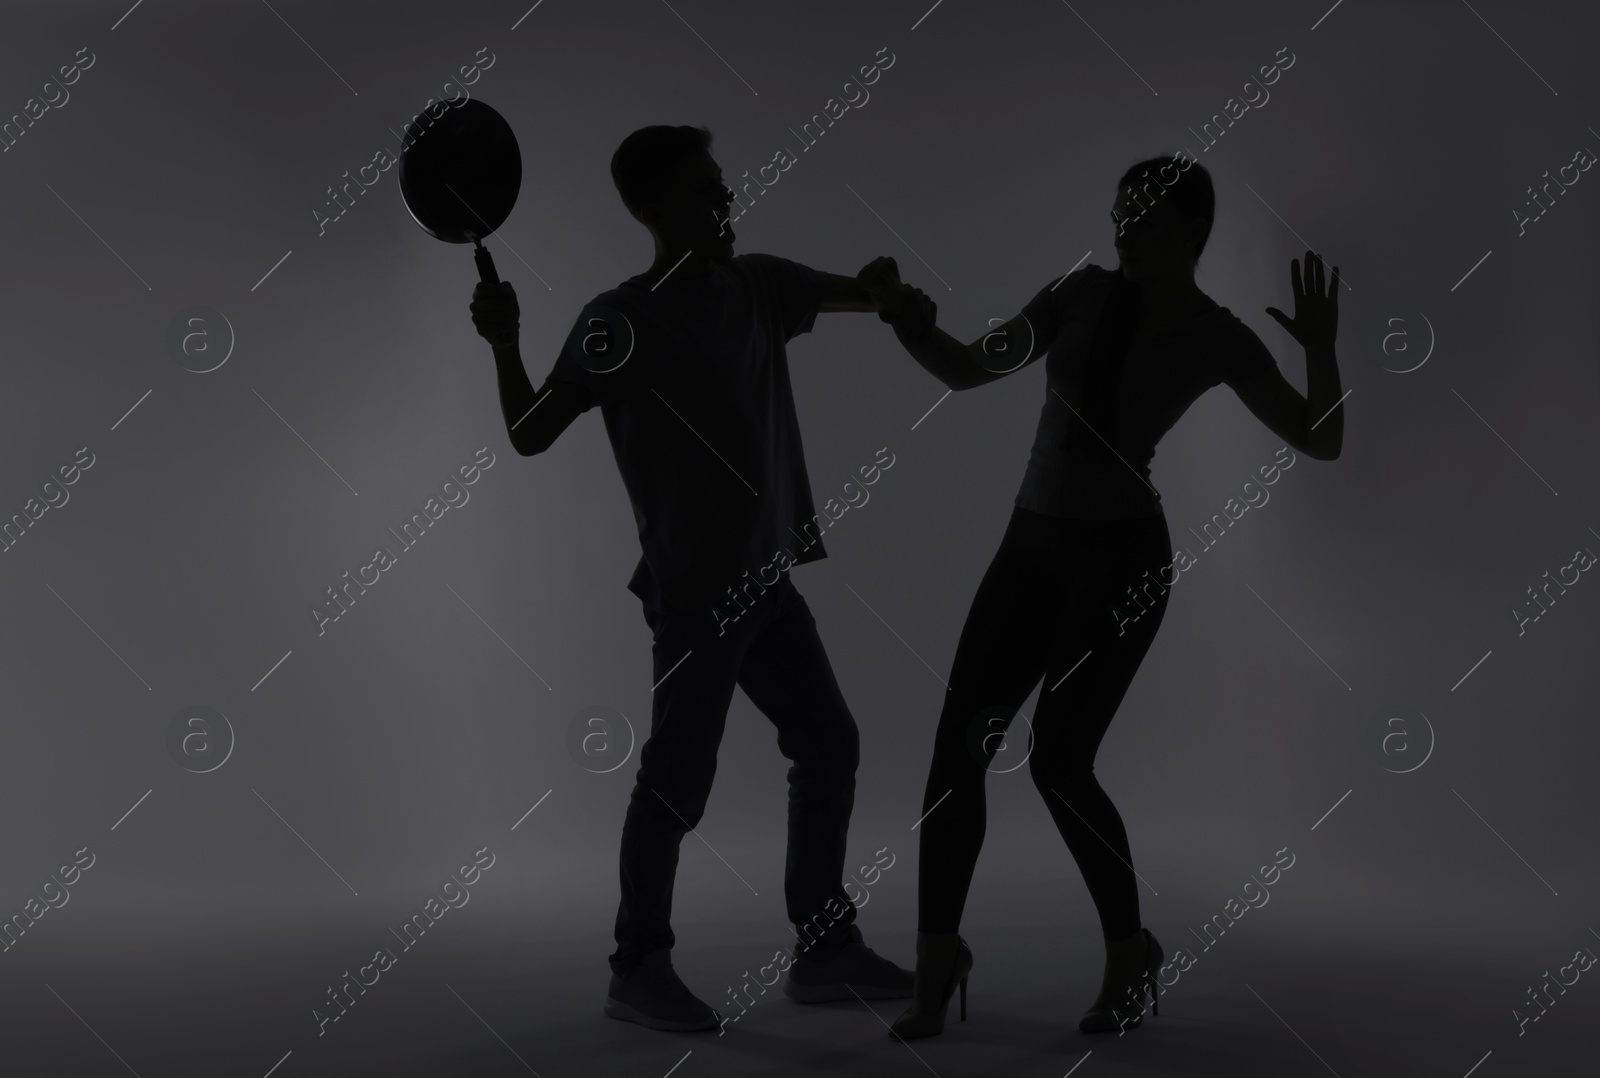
(460, 175)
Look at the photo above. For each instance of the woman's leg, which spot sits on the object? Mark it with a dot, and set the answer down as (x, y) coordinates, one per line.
(999, 659)
(1101, 619)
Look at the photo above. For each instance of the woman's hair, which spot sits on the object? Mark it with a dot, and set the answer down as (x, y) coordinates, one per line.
(1191, 191)
(643, 163)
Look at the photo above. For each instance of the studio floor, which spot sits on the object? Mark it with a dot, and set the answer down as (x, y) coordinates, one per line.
(1299, 991)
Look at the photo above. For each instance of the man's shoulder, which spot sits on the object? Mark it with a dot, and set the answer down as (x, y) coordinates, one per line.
(762, 262)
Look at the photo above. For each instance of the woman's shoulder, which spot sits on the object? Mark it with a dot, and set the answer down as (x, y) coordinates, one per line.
(1084, 283)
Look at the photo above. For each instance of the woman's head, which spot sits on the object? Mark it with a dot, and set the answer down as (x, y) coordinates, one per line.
(1163, 214)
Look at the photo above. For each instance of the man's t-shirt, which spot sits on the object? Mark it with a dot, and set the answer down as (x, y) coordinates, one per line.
(693, 381)
(1071, 471)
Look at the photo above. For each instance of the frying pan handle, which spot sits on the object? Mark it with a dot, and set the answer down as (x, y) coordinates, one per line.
(486, 270)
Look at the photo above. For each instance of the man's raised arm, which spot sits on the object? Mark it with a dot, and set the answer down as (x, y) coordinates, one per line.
(534, 418)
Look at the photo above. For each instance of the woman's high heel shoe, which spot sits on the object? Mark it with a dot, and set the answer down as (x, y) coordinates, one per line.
(1121, 1004)
(910, 1024)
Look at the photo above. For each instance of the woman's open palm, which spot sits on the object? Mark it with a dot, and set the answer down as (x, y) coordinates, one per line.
(1316, 308)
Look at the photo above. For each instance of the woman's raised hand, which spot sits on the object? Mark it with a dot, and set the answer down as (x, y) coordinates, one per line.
(1316, 308)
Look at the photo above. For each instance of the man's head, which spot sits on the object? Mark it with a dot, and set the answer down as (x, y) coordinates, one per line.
(669, 181)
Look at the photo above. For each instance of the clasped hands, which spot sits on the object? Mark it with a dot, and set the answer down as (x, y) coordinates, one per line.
(903, 306)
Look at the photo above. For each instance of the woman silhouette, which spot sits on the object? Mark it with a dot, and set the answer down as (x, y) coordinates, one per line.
(1077, 590)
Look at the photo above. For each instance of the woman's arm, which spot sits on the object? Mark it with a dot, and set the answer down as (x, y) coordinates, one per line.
(959, 366)
(1313, 424)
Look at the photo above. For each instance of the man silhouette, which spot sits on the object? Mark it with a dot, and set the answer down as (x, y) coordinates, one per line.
(687, 363)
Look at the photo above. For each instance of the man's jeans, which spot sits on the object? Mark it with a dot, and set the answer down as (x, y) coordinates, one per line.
(773, 653)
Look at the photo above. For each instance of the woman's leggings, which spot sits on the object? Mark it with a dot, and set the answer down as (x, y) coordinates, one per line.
(1076, 603)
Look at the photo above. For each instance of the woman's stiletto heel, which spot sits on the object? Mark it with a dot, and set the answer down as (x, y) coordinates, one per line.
(911, 1025)
(1104, 1017)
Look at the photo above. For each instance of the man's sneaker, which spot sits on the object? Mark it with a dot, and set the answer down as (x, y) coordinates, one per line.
(853, 966)
(652, 995)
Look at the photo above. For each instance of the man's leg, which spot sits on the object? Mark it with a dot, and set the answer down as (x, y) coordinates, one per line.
(786, 674)
(676, 767)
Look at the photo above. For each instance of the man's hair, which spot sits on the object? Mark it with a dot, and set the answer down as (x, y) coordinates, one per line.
(1191, 193)
(642, 164)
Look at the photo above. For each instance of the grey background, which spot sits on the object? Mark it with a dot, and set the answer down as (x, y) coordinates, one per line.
(377, 757)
